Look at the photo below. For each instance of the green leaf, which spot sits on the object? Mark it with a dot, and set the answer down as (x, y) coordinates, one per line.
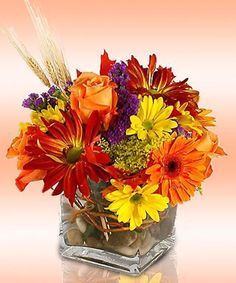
(96, 189)
(91, 231)
(200, 190)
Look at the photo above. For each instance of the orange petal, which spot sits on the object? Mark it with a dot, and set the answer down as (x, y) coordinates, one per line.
(165, 187)
(174, 197)
(27, 176)
(183, 194)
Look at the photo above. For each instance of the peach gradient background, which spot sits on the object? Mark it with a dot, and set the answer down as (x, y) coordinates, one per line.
(197, 38)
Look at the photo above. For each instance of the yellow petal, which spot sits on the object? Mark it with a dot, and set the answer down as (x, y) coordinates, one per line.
(132, 224)
(115, 205)
(152, 213)
(125, 212)
(142, 134)
(166, 125)
(136, 122)
(127, 189)
(144, 106)
(150, 188)
(142, 211)
(155, 109)
(116, 195)
(164, 113)
(149, 107)
(130, 132)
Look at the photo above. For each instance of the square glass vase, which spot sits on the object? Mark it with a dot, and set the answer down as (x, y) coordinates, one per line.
(126, 251)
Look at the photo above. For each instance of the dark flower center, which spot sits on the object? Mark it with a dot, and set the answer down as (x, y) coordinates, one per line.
(173, 166)
(136, 198)
(73, 154)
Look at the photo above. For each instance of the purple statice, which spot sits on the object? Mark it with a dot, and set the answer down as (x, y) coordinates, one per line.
(117, 132)
(52, 90)
(27, 103)
(33, 96)
(38, 102)
(45, 95)
(118, 74)
(127, 104)
(53, 101)
(69, 83)
(67, 86)
(182, 132)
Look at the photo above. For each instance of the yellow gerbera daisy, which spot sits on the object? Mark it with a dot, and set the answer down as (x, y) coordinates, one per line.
(152, 119)
(49, 114)
(133, 205)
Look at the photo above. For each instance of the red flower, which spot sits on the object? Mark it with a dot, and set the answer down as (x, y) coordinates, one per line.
(160, 82)
(106, 64)
(68, 156)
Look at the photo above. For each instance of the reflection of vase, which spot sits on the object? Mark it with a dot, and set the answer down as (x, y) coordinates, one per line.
(128, 251)
(163, 271)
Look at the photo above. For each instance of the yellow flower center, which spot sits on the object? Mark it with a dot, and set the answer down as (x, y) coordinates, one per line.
(147, 124)
(73, 154)
(137, 198)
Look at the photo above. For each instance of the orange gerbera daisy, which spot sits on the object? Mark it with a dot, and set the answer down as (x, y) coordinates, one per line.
(178, 168)
(160, 82)
(69, 156)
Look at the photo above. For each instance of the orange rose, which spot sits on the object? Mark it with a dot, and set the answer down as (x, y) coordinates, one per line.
(209, 144)
(17, 149)
(91, 92)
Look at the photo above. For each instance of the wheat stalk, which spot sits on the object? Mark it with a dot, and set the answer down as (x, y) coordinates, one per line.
(27, 57)
(51, 71)
(51, 53)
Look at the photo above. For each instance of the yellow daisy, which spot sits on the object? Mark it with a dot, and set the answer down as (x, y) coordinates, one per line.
(49, 114)
(152, 120)
(133, 205)
(186, 120)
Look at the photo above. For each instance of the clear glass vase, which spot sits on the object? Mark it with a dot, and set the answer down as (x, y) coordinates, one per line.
(120, 250)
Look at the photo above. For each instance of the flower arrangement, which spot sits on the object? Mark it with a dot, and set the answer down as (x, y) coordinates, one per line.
(134, 130)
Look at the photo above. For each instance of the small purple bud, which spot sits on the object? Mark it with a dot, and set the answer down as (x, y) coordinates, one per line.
(33, 96)
(182, 132)
(52, 90)
(53, 102)
(188, 135)
(69, 83)
(45, 95)
(27, 103)
(38, 103)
